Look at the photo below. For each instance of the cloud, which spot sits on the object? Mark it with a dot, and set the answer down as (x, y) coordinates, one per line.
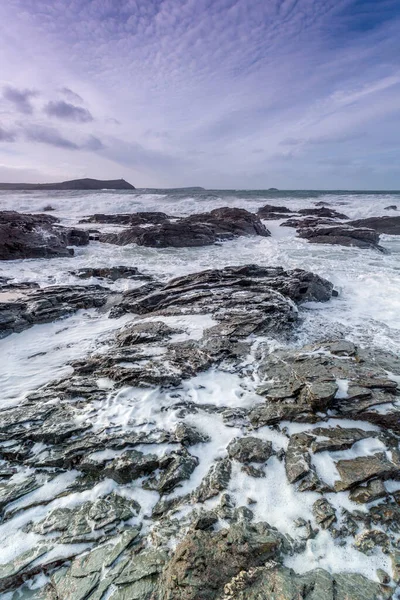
(69, 112)
(6, 136)
(200, 87)
(71, 94)
(20, 99)
(50, 136)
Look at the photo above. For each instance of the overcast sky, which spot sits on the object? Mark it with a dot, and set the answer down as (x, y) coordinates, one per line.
(216, 93)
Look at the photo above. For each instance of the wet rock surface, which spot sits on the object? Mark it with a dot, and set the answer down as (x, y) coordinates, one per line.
(196, 230)
(46, 305)
(388, 225)
(36, 236)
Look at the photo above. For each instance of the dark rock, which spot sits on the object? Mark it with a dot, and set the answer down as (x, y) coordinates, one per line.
(48, 304)
(391, 207)
(368, 540)
(250, 449)
(144, 333)
(329, 213)
(110, 273)
(358, 470)
(175, 468)
(342, 235)
(369, 492)
(324, 513)
(189, 436)
(130, 465)
(132, 219)
(388, 225)
(273, 212)
(216, 480)
(196, 230)
(34, 236)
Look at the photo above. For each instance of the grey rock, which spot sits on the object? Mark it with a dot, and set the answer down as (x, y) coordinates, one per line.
(250, 449)
(324, 513)
(388, 225)
(131, 465)
(357, 470)
(216, 480)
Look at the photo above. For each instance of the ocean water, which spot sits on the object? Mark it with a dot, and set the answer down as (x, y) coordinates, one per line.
(366, 311)
(368, 307)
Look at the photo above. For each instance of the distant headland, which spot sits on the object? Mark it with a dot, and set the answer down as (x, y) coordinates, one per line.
(74, 184)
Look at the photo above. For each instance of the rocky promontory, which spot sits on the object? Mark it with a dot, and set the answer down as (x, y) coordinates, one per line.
(73, 184)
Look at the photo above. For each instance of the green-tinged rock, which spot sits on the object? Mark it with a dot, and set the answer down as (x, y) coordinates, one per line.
(216, 480)
(250, 449)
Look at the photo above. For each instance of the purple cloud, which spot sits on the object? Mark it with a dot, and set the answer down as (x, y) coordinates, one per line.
(69, 112)
(20, 99)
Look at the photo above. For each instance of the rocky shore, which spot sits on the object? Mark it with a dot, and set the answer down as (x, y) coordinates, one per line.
(190, 458)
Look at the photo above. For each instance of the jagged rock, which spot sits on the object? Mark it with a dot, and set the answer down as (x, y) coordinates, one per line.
(391, 207)
(301, 385)
(297, 458)
(357, 470)
(369, 492)
(216, 480)
(175, 468)
(388, 225)
(189, 436)
(144, 333)
(196, 230)
(110, 273)
(204, 520)
(337, 438)
(36, 236)
(322, 212)
(12, 490)
(132, 219)
(232, 290)
(131, 465)
(48, 304)
(204, 562)
(250, 449)
(366, 541)
(324, 513)
(280, 583)
(343, 235)
(89, 521)
(273, 212)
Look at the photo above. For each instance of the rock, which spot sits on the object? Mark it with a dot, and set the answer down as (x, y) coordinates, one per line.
(73, 184)
(343, 235)
(324, 513)
(132, 219)
(216, 480)
(131, 465)
(358, 470)
(323, 212)
(368, 540)
(203, 562)
(204, 520)
(280, 583)
(391, 207)
(196, 230)
(110, 273)
(189, 436)
(369, 492)
(388, 225)
(273, 212)
(175, 468)
(48, 304)
(297, 458)
(36, 236)
(244, 289)
(88, 521)
(250, 449)
(144, 333)
(14, 489)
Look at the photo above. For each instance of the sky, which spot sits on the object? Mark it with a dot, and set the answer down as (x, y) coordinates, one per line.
(294, 94)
